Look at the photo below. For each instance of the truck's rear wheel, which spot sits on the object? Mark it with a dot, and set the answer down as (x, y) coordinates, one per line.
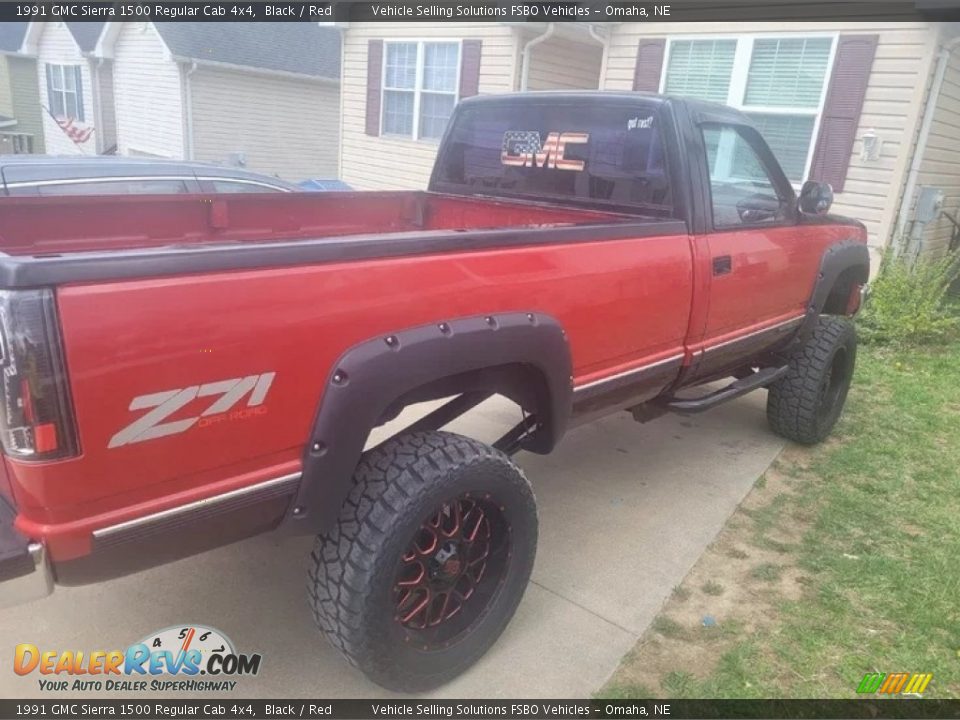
(428, 561)
(806, 403)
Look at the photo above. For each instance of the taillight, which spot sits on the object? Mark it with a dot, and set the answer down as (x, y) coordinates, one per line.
(36, 416)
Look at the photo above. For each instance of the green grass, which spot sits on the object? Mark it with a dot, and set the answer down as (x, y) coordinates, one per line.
(768, 572)
(668, 627)
(712, 588)
(880, 554)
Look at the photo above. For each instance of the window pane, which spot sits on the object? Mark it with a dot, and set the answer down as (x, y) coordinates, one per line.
(398, 112)
(789, 137)
(740, 188)
(615, 157)
(69, 77)
(56, 77)
(788, 72)
(700, 68)
(133, 186)
(70, 99)
(401, 66)
(440, 66)
(56, 104)
(435, 110)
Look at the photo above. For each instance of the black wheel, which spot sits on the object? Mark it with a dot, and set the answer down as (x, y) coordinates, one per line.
(428, 561)
(805, 404)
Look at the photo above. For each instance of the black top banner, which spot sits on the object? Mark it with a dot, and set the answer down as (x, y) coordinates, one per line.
(142, 709)
(492, 10)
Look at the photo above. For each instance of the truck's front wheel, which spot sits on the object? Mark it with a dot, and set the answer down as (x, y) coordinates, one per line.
(805, 404)
(428, 561)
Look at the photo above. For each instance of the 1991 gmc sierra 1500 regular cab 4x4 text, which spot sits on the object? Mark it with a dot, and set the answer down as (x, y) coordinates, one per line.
(183, 371)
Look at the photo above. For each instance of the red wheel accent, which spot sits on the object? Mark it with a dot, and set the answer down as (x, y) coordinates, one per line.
(445, 563)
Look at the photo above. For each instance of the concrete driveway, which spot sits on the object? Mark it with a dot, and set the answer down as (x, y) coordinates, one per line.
(625, 511)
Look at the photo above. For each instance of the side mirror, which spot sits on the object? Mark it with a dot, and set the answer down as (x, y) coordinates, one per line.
(815, 198)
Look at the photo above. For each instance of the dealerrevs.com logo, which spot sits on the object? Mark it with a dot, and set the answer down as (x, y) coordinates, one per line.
(181, 657)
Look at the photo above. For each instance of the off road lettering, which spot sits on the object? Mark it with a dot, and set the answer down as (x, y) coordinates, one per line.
(524, 149)
(168, 402)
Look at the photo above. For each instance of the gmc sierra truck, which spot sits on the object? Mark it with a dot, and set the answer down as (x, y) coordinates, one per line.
(180, 372)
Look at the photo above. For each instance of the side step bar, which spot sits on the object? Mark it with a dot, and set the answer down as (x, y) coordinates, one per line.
(759, 379)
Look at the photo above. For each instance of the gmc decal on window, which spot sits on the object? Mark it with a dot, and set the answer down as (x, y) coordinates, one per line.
(522, 148)
(228, 393)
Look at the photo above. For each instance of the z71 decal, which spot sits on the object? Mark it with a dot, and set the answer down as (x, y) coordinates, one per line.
(522, 148)
(227, 393)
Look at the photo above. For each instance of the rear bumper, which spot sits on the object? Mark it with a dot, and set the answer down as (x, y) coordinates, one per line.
(25, 572)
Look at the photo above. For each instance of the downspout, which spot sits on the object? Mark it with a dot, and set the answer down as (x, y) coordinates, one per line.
(98, 104)
(525, 62)
(929, 111)
(188, 110)
(606, 53)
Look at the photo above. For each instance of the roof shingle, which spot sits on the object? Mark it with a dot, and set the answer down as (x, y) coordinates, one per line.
(304, 48)
(11, 35)
(86, 34)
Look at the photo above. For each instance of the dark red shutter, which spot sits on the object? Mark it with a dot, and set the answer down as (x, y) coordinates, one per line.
(646, 73)
(374, 77)
(841, 111)
(470, 68)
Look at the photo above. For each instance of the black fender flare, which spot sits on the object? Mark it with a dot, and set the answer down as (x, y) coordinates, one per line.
(371, 376)
(846, 256)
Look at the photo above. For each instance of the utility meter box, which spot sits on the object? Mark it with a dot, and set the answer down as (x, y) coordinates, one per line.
(929, 204)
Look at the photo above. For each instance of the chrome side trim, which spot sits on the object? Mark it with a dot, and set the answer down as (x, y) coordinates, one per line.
(105, 179)
(32, 586)
(627, 373)
(770, 328)
(111, 530)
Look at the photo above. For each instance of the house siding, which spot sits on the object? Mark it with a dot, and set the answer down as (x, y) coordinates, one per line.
(940, 166)
(551, 67)
(284, 126)
(6, 91)
(26, 99)
(390, 163)
(891, 106)
(57, 47)
(147, 90)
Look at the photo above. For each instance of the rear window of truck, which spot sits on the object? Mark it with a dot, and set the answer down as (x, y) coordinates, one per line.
(601, 154)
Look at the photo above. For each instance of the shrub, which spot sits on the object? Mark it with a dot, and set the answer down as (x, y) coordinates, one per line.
(909, 305)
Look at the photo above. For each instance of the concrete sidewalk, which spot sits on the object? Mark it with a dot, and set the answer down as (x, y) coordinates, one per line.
(625, 511)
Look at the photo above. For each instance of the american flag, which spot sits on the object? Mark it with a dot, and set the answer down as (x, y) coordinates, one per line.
(76, 133)
(521, 142)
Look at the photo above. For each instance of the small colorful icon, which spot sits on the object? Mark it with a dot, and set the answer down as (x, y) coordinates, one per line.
(901, 683)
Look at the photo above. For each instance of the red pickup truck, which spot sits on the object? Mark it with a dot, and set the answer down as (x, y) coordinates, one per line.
(180, 372)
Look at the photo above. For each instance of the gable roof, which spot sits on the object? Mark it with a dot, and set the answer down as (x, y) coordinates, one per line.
(85, 35)
(11, 36)
(300, 48)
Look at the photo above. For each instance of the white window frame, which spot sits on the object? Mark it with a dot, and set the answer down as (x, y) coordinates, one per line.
(58, 71)
(737, 91)
(418, 82)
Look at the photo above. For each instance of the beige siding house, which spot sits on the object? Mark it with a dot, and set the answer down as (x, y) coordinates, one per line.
(872, 108)
(842, 102)
(263, 96)
(75, 88)
(401, 81)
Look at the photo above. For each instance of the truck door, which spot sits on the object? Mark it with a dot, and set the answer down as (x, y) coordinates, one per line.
(753, 293)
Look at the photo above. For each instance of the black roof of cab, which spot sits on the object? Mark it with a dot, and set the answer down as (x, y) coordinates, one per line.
(699, 110)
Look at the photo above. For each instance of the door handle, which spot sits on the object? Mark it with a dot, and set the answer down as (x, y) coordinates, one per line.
(722, 264)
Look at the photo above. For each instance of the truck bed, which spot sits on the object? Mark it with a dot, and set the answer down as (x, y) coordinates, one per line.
(51, 226)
